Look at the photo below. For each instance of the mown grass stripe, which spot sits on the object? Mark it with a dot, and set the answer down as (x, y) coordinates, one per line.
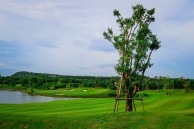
(162, 111)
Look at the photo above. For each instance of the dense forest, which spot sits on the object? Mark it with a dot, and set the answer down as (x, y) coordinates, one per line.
(52, 81)
(24, 80)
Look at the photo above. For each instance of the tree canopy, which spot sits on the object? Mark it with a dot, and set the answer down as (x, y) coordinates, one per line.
(135, 45)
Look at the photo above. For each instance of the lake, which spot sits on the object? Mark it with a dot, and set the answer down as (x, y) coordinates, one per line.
(16, 97)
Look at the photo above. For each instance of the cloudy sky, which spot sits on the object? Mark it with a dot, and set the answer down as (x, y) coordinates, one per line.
(65, 36)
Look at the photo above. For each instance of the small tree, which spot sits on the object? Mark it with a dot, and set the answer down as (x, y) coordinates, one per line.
(158, 83)
(187, 85)
(135, 45)
(147, 82)
(31, 90)
(166, 85)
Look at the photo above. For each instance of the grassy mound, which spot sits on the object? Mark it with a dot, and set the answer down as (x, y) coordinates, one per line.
(165, 112)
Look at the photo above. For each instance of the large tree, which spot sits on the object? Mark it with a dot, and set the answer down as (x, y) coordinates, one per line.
(135, 45)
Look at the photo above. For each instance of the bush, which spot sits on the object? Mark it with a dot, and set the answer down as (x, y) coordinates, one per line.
(30, 90)
(144, 95)
(112, 94)
(52, 88)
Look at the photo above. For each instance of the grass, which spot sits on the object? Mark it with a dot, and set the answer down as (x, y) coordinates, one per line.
(78, 92)
(162, 112)
(71, 92)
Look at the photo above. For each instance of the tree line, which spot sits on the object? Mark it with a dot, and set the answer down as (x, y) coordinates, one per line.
(23, 80)
(52, 81)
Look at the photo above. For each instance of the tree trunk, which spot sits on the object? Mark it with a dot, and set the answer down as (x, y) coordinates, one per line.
(158, 89)
(147, 88)
(129, 94)
(129, 104)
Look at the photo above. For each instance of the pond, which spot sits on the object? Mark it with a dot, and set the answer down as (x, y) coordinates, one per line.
(16, 97)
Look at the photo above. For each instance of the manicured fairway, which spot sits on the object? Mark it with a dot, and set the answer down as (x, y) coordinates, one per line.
(78, 92)
(162, 111)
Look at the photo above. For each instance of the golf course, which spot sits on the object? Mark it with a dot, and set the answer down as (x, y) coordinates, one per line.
(161, 112)
(96, 64)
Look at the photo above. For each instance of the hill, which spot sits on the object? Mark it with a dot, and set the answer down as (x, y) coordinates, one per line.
(32, 74)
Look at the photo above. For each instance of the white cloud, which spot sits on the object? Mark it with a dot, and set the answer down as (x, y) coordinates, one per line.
(66, 36)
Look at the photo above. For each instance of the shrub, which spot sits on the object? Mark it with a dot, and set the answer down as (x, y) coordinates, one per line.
(30, 90)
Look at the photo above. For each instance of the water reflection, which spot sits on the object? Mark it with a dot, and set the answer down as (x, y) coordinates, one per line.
(16, 97)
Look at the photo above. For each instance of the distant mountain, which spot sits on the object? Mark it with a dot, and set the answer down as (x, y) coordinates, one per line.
(31, 74)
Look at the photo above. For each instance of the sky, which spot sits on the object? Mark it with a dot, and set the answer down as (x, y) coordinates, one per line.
(66, 36)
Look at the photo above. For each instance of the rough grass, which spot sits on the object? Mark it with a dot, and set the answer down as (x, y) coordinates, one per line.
(162, 112)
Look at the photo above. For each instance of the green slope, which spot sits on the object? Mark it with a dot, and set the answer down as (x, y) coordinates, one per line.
(162, 111)
(78, 92)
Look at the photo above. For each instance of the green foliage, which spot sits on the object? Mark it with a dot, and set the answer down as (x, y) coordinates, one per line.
(135, 44)
(144, 95)
(187, 85)
(31, 90)
(112, 94)
(134, 41)
(141, 94)
(38, 81)
(50, 81)
(52, 88)
(168, 84)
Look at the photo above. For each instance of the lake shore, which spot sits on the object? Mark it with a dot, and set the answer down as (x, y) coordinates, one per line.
(73, 92)
(161, 111)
